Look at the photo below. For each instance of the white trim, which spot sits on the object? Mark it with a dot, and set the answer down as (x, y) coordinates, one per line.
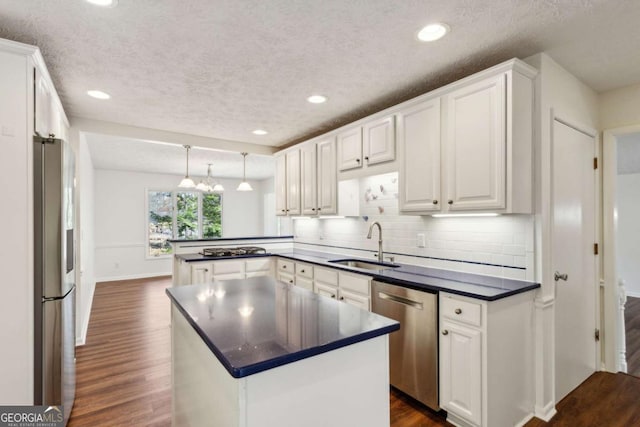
(545, 413)
(85, 324)
(131, 277)
(524, 421)
(121, 245)
(612, 312)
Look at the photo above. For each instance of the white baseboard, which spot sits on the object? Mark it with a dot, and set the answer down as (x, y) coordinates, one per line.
(524, 421)
(131, 277)
(546, 412)
(82, 339)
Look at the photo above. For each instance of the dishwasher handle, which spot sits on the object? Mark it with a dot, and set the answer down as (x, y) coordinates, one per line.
(400, 300)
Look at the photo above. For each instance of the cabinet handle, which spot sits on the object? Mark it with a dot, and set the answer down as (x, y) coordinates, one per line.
(435, 202)
(458, 311)
(445, 332)
(52, 135)
(450, 202)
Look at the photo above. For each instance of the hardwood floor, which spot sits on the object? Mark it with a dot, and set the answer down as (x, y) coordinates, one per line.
(632, 327)
(124, 371)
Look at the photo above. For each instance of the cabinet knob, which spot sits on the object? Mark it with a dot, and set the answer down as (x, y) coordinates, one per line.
(450, 202)
(319, 209)
(435, 202)
(291, 281)
(341, 298)
(52, 135)
(284, 267)
(283, 210)
(445, 332)
(458, 311)
(367, 158)
(358, 160)
(313, 209)
(301, 271)
(333, 295)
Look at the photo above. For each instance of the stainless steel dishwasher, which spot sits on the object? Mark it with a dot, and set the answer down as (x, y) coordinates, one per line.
(413, 350)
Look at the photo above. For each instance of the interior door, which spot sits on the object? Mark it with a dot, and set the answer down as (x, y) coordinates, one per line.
(574, 261)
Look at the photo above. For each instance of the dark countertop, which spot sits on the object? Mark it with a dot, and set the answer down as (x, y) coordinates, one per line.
(218, 239)
(488, 288)
(256, 324)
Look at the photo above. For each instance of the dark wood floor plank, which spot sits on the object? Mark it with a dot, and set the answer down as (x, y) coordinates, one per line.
(124, 371)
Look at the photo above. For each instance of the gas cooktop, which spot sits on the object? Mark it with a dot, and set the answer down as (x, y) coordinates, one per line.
(231, 252)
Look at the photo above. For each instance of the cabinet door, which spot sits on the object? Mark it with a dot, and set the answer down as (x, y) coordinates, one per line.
(379, 141)
(327, 186)
(325, 289)
(285, 277)
(228, 276)
(293, 182)
(281, 185)
(350, 149)
(419, 146)
(355, 299)
(42, 107)
(476, 145)
(308, 183)
(461, 371)
(200, 273)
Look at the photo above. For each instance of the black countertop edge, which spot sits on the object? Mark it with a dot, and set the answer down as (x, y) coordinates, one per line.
(281, 360)
(217, 239)
(387, 276)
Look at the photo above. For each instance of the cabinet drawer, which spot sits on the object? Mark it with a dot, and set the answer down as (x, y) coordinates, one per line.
(326, 276)
(228, 267)
(286, 266)
(354, 282)
(461, 311)
(286, 277)
(258, 264)
(305, 283)
(304, 270)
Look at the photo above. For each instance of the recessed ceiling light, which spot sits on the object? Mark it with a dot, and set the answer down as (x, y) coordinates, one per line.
(260, 132)
(98, 94)
(433, 32)
(317, 99)
(104, 3)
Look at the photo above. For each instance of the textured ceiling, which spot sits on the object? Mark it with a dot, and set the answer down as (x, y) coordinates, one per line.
(108, 152)
(223, 68)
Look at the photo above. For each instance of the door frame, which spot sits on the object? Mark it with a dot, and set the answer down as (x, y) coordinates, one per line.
(592, 133)
(613, 351)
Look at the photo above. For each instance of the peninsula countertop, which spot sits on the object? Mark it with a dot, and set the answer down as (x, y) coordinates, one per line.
(256, 324)
(488, 288)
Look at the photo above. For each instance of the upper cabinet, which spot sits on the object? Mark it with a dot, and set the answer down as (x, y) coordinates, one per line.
(49, 118)
(326, 178)
(308, 178)
(287, 183)
(281, 185)
(372, 143)
(471, 148)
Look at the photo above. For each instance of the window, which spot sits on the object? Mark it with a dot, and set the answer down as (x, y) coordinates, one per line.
(181, 215)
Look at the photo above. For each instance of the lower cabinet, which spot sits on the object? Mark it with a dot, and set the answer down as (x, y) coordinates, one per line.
(209, 271)
(486, 360)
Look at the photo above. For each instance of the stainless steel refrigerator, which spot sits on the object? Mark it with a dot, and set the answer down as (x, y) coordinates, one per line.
(54, 273)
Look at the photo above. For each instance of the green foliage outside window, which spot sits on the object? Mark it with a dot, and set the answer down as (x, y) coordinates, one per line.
(211, 215)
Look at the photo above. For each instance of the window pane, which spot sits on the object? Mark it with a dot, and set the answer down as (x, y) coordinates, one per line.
(160, 222)
(187, 215)
(211, 215)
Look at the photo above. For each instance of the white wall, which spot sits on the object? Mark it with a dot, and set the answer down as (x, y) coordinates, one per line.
(86, 236)
(620, 107)
(498, 246)
(628, 233)
(16, 254)
(120, 221)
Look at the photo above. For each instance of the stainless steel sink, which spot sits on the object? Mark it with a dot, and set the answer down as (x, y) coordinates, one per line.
(367, 265)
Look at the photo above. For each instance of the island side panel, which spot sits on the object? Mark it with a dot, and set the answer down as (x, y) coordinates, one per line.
(342, 388)
(203, 392)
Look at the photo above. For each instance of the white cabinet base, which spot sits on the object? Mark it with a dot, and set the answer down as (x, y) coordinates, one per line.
(344, 387)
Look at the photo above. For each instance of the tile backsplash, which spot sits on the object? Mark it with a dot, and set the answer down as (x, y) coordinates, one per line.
(498, 246)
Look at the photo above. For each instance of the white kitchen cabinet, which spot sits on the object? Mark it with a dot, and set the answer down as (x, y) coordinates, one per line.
(326, 290)
(327, 197)
(379, 141)
(419, 147)
(201, 272)
(350, 149)
(281, 185)
(362, 301)
(354, 289)
(486, 365)
(287, 183)
(476, 145)
(286, 277)
(308, 179)
(262, 266)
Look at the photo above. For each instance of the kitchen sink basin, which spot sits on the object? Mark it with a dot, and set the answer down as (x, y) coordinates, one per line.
(367, 265)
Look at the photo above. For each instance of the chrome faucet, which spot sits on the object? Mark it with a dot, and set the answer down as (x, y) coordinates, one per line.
(380, 255)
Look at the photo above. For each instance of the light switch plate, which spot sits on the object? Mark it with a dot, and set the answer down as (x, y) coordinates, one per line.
(421, 240)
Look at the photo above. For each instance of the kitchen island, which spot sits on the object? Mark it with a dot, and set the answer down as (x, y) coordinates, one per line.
(258, 352)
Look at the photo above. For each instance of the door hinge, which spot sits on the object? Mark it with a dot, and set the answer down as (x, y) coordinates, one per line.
(595, 163)
(595, 249)
(597, 335)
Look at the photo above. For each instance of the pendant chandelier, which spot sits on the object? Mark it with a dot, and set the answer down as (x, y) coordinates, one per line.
(244, 185)
(206, 184)
(187, 182)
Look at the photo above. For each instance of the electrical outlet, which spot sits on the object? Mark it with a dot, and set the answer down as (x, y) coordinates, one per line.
(420, 240)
